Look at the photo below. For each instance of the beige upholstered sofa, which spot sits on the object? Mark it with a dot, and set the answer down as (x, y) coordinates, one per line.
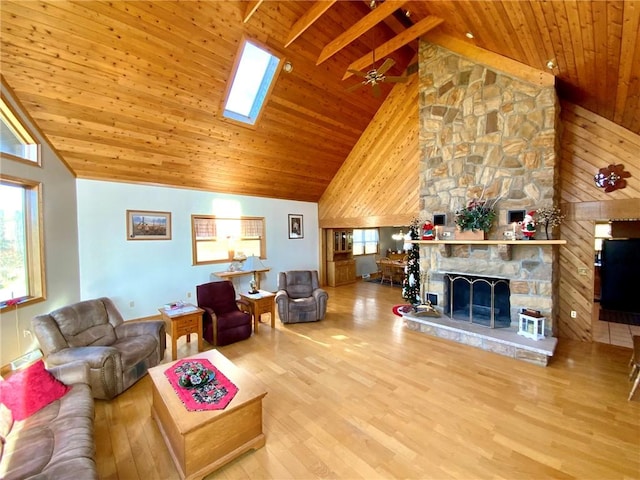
(299, 297)
(118, 353)
(57, 441)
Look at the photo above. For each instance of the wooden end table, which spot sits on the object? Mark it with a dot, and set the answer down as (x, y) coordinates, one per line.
(261, 302)
(202, 441)
(180, 321)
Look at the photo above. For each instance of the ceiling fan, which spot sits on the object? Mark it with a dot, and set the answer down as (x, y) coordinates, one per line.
(376, 76)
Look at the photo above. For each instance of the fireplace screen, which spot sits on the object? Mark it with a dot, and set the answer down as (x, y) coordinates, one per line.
(479, 300)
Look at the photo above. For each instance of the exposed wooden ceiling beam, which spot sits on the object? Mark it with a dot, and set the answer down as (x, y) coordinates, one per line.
(411, 33)
(492, 59)
(308, 19)
(251, 9)
(359, 28)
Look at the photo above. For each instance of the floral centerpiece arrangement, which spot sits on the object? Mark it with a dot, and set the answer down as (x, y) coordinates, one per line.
(479, 214)
(549, 217)
(193, 374)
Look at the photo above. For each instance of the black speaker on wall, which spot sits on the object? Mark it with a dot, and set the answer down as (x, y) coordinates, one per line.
(439, 219)
(515, 216)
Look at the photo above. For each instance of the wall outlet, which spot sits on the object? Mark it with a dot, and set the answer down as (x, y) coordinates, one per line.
(508, 234)
(583, 271)
(188, 294)
(132, 304)
(574, 314)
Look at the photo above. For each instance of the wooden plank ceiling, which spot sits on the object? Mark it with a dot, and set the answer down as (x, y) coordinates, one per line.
(132, 91)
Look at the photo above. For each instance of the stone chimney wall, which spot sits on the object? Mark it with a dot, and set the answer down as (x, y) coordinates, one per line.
(486, 134)
(483, 131)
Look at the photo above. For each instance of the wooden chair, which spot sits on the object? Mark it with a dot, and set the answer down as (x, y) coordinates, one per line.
(635, 366)
(386, 271)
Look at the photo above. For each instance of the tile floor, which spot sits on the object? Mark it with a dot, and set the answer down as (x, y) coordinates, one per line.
(612, 333)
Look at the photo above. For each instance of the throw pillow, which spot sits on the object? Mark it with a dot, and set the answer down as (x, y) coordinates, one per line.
(28, 390)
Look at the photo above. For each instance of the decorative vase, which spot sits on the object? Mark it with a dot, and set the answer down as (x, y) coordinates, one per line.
(475, 235)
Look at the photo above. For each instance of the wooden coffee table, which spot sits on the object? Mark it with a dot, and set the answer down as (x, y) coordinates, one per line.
(200, 442)
(261, 302)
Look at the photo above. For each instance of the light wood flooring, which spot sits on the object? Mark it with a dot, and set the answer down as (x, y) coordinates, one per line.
(359, 396)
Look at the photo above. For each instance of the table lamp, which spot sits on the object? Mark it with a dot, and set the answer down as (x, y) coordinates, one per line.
(251, 264)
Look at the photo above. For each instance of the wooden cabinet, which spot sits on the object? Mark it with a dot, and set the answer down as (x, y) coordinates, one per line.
(341, 267)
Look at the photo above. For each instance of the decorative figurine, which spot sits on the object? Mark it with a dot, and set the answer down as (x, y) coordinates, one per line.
(427, 231)
(528, 227)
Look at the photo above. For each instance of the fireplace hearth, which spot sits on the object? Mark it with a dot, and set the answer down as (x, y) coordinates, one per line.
(478, 300)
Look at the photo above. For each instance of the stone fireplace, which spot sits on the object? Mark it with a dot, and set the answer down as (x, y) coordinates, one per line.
(485, 134)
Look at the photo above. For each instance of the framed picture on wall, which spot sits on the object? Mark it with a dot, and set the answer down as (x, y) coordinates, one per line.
(146, 225)
(295, 226)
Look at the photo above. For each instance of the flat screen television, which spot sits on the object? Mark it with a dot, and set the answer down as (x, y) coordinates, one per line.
(620, 275)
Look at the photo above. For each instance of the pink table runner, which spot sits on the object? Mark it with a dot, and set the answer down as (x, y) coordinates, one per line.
(206, 387)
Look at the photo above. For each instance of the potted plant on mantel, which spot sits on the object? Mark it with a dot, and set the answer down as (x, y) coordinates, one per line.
(475, 220)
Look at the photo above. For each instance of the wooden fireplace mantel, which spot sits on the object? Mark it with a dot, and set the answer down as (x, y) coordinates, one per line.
(505, 246)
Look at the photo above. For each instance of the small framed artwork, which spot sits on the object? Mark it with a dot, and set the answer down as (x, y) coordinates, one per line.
(145, 225)
(295, 226)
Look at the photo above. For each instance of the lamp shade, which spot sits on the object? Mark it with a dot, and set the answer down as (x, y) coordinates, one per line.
(253, 263)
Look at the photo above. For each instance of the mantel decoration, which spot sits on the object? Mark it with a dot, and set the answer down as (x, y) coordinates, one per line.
(550, 217)
(611, 178)
(528, 226)
(478, 215)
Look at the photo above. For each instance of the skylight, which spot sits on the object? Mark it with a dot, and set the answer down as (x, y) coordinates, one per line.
(251, 83)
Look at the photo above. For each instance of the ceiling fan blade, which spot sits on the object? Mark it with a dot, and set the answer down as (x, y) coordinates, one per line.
(357, 72)
(376, 90)
(386, 65)
(396, 79)
(354, 87)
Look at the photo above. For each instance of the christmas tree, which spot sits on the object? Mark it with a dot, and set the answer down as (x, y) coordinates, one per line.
(411, 283)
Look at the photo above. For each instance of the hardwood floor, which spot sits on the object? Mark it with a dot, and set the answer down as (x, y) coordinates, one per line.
(359, 396)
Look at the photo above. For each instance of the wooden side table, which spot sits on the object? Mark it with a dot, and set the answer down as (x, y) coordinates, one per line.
(180, 321)
(261, 302)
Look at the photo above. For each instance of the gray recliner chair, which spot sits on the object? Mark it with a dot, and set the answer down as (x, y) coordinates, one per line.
(299, 297)
(118, 353)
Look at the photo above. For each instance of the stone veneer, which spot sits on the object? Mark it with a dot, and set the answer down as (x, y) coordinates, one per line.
(487, 134)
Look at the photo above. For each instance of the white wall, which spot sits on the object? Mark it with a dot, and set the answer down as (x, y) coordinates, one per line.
(60, 244)
(150, 273)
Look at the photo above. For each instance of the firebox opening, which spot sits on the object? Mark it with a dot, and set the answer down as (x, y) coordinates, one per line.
(479, 300)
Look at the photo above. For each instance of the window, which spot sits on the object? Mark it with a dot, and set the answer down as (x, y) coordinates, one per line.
(21, 264)
(218, 240)
(15, 140)
(251, 82)
(366, 241)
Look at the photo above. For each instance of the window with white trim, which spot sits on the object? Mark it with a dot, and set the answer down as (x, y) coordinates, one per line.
(219, 240)
(366, 241)
(21, 258)
(251, 82)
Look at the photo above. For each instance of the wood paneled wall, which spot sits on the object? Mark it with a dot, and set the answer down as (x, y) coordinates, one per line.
(378, 183)
(589, 142)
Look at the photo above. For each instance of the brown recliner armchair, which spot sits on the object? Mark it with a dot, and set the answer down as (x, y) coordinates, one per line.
(299, 297)
(223, 321)
(118, 353)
